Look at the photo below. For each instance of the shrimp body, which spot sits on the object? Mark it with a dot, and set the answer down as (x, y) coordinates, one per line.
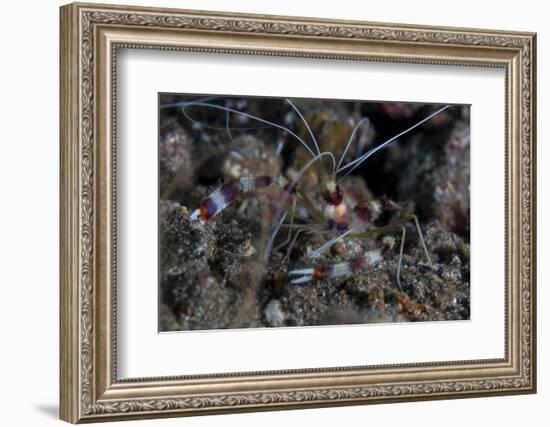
(302, 214)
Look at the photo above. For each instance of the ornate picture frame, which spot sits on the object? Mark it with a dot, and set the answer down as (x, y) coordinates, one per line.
(91, 34)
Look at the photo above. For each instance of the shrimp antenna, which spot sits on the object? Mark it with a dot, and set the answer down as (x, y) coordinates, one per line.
(210, 127)
(355, 129)
(305, 123)
(315, 253)
(355, 163)
(230, 136)
(269, 243)
(250, 116)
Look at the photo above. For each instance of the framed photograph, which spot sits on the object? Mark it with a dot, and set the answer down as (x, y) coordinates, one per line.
(267, 212)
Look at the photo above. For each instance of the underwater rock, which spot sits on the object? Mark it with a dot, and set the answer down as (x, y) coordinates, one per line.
(174, 157)
(196, 295)
(436, 176)
(274, 314)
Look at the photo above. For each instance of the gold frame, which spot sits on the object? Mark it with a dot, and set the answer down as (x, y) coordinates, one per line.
(90, 36)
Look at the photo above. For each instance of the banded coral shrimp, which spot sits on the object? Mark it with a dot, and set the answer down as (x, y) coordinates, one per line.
(308, 222)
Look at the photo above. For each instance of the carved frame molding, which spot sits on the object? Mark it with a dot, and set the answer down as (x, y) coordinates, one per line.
(90, 37)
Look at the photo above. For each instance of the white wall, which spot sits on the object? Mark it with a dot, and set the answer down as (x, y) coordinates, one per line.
(29, 170)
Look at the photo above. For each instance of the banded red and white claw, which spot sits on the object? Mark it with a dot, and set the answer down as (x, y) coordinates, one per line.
(306, 275)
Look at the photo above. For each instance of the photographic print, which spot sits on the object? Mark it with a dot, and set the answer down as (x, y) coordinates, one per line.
(279, 212)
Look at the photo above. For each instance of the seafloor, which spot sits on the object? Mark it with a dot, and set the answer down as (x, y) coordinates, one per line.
(213, 275)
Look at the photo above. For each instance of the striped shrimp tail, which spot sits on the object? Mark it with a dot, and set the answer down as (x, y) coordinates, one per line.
(305, 275)
(227, 194)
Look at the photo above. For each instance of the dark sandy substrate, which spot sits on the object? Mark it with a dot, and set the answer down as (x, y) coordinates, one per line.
(212, 278)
